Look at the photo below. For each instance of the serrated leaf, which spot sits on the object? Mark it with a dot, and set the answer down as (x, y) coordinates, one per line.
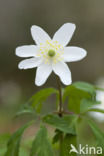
(72, 91)
(57, 136)
(74, 96)
(87, 87)
(65, 124)
(81, 97)
(25, 109)
(42, 95)
(34, 105)
(87, 104)
(13, 144)
(41, 145)
(97, 132)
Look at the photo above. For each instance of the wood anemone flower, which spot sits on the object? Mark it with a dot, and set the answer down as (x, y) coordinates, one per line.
(50, 54)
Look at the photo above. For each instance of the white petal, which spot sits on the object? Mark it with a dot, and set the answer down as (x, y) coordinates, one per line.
(61, 69)
(64, 34)
(42, 73)
(39, 35)
(73, 54)
(29, 63)
(27, 51)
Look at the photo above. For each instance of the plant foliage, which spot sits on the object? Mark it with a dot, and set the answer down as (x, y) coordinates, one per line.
(78, 99)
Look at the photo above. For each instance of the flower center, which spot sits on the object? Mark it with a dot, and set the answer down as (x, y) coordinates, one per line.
(51, 53)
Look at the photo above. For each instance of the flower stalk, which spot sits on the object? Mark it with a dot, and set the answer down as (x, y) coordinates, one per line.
(60, 113)
(60, 106)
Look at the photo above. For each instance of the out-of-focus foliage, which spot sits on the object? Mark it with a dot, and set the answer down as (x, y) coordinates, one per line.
(65, 127)
(3, 141)
(13, 144)
(81, 96)
(34, 105)
(98, 134)
(41, 145)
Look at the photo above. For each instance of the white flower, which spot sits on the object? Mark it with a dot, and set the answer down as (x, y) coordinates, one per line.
(50, 54)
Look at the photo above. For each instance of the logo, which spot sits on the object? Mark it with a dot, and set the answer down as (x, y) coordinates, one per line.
(85, 149)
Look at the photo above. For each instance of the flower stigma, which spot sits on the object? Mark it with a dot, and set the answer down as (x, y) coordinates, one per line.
(51, 53)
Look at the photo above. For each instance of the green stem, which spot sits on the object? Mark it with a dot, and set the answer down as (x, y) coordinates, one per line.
(60, 107)
(60, 112)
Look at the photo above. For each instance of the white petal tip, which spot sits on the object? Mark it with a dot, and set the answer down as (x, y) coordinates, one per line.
(20, 66)
(32, 27)
(68, 83)
(84, 54)
(16, 51)
(71, 24)
(38, 84)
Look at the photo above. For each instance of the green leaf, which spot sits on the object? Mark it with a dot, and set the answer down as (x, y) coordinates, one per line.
(100, 89)
(97, 132)
(65, 124)
(2, 151)
(3, 141)
(34, 105)
(42, 95)
(74, 97)
(57, 136)
(25, 109)
(81, 97)
(13, 144)
(72, 91)
(41, 145)
(4, 138)
(66, 145)
(87, 104)
(85, 87)
(95, 110)
(23, 151)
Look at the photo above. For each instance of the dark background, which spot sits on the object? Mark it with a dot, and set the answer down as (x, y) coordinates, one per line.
(16, 18)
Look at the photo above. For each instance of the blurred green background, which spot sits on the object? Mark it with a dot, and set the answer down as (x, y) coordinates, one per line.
(16, 18)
